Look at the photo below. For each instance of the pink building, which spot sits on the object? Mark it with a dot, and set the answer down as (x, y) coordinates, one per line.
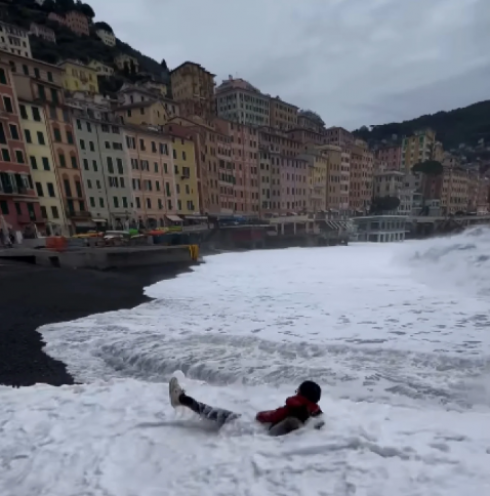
(245, 158)
(78, 23)
(43, 32)
(390, 155)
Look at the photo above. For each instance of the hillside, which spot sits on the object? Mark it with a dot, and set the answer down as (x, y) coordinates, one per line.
(463, 125)
(69, 45)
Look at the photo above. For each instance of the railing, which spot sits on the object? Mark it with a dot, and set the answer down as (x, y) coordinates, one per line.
(77, 214)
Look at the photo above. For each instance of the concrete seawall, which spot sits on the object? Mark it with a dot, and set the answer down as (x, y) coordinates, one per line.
(104, 258)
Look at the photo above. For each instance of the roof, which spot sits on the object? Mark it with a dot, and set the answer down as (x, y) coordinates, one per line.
(145, 104)
(74, 62)
(188, 62)
(26, 60)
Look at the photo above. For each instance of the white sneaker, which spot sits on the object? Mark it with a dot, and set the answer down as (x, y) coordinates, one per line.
(174, 392)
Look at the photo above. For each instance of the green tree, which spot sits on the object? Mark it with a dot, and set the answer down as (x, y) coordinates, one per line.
(86, 9)
(380, 204)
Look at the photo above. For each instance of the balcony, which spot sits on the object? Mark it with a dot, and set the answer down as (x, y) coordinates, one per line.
(77, 214)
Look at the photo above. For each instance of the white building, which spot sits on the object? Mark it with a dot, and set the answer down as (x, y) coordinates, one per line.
(396, 184)
(380, 228)
(15, 40)
(107, 37)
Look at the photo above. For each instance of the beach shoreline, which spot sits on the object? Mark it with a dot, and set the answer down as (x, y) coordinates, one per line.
(32, 296)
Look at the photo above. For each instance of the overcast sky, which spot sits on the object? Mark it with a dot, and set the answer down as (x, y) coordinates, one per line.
(354, 62)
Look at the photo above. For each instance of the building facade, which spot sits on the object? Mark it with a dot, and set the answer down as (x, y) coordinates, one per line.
(78, 23)
(153, 183)
(79, 77)
(107, 37)
(340, 137)
(19, 205)
(43, 32)
(238, 101)
(15, 40)
(417, 148)
(193, 88)
(380, 228)
(40, 156)
(361, 176)
(390, 156)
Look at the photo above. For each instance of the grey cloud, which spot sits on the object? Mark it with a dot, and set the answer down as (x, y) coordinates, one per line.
(353, 61)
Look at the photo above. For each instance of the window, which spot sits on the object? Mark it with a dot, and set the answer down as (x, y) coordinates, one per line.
(142, 145)
(78, 187)
(44, 213)
(120, 168)
(67, 186)
(12, 64)
(107, 145)
(57, 135)
(174, 153)
(54, 212)
(33, 162)
(27, 135)
(85, 164)
(82, 144)
(92, 202)
(51, 190)
(74, 162)
(54, 99)
(101, 202)
(156, 167)
(62, 160)
(69, 137)
(41, 92)
(184, 157)
(153, 147)
(36, 114)
(7, 102)
(179, 205)
(94, 164)
(82, 206)
(116, 202)
(89, 184)
(138, 203)
(36, 73)
(18, 208)
(50, 77)
(39, 189)
(3, 76)
(40, 138)
(124, 202)
(46, 163)
(89, 127)
(169, 204)
(13, 131)
(91, 146)
(53, 113)
(176, 169)
(23, 111)
(167, 189)
(19, 155)
(148, 202)
(110, 165)
(4, 208)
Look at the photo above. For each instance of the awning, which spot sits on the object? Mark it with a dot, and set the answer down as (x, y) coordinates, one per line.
(101, 221)
(196, 217)
(174, 218)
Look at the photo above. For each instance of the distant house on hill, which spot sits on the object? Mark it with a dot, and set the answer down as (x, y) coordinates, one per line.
(43, 32)
(106, 36)
(76, 21)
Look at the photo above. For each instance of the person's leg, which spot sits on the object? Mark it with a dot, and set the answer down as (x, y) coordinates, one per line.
(286, 426)
(179, 398)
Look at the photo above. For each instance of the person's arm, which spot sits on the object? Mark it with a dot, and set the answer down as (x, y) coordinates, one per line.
(272, 416)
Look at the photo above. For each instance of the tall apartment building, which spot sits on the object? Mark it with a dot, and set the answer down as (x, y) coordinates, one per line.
(238, 101)
(206, 141)
(193, 88)
(19, 205)
(361, 176)
(131, 94)
(340, 137)
(104, 164)
(40, 155)
(317, 180)
(419, 147)
(79, 77)
(283, 115)
(307, 136)
(15, 40)
(152, 176)
(390, 155)
(310, 121)
(338, 179)
(289, 173)
(78, 23)
(40, 83)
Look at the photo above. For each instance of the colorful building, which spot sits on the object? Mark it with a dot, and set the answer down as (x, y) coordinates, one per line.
(361, 177)
(283, 115)
(78, 23)
(390, 156)
(193, 88)
(15, 39)
(238, 101)
(125, 62)
(79, 77)
(43, 32)
(19, 205)
(143, 113)
(40, 156)
(340, 137)
(417, 148)
(317, 179)
(185, 172)
(100, 68)
(155, 198)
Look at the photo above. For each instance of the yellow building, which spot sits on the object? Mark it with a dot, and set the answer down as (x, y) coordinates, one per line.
(162, 88)
(149, 113)
(185, 170)
(79, 77)
(100, 68)
(317, 178)
(419, 147)
(38, 148)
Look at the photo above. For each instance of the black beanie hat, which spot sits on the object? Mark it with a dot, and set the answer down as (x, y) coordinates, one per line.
(311, 391)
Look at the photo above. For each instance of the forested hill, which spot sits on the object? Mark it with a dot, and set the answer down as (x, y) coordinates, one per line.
(463, 125)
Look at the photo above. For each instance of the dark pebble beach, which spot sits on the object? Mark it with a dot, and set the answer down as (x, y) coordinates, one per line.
(32, 296)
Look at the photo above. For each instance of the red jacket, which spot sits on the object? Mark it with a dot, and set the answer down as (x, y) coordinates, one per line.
(296, 406)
